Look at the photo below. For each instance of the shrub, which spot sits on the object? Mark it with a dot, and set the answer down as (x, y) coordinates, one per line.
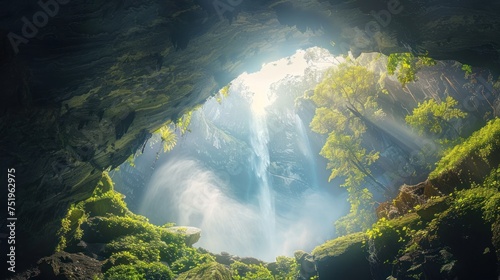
(250, 271)
(139, 271)
(190, 259)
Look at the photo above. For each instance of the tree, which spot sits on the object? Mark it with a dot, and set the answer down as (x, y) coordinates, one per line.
(406, 66)
(346, 99)
(435, 119)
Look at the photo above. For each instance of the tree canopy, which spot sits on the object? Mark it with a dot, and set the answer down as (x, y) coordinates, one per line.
(345, 99)
(434, 118)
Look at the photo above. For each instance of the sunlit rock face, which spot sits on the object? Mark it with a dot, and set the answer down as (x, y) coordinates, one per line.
(84, 87)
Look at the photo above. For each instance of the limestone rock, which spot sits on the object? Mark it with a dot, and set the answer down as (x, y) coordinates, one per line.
(62, 265)
(191, 234)
(306, 264)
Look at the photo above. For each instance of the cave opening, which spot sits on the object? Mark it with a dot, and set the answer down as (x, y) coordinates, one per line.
(248, 172)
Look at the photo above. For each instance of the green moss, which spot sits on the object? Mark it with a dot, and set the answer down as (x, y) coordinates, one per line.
(481, 147)
(339, 245)
(137, 246)
(134, 247)
(120, 258)
(70, 230)
(109, 203)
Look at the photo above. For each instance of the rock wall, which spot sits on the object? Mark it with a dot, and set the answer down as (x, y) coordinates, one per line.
(84, 83)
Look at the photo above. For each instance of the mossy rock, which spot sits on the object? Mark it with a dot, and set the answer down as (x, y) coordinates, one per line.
(469, 236)
(212, 270)
(343, 258)
(469, 162)
(104, 229)
(104, 206)
(433, 207)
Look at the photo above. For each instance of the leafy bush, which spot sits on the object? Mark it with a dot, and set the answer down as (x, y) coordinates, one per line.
(213, 271)
(190, 259)
(139, 271)
(250, 271)
(287, 268)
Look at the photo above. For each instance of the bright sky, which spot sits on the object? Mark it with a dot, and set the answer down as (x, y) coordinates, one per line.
(260, 82)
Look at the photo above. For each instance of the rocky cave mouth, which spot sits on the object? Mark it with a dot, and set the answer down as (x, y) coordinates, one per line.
(392, 155)
(251, 191)
(247, 168)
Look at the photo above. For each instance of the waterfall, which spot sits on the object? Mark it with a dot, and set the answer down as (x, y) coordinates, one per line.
(259, 138)
(305, 148)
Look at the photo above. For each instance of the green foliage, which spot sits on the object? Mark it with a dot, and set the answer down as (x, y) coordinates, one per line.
(287, 268)
(455, 223)
(168, 137)
(339, 246)
(167, 132)
(493, 179)
(346, 99)
(139, 271)
(120, 258)
(183, 122)
(346, 157)
(243, 271)
(223, 93)
(213, 271)
(468, 70)
(435, 117)
(357, 221)
(70, 230)
(134, 246)
(131, 160)
(103, 198)
(138, 246)
(479, 145)
(391, 236)
(110, 202)
(406, 66)
(190, 259)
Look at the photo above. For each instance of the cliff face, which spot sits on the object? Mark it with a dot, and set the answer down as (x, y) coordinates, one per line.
(84, 83)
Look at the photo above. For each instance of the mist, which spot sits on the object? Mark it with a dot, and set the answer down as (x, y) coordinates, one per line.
(185, 192)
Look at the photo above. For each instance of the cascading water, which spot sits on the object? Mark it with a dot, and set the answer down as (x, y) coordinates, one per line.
(259, 138)
(305, 148)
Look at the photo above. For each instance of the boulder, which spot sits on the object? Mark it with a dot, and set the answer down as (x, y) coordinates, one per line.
(344, 258)
(306, 264)
(191, 234)
(63, 265)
